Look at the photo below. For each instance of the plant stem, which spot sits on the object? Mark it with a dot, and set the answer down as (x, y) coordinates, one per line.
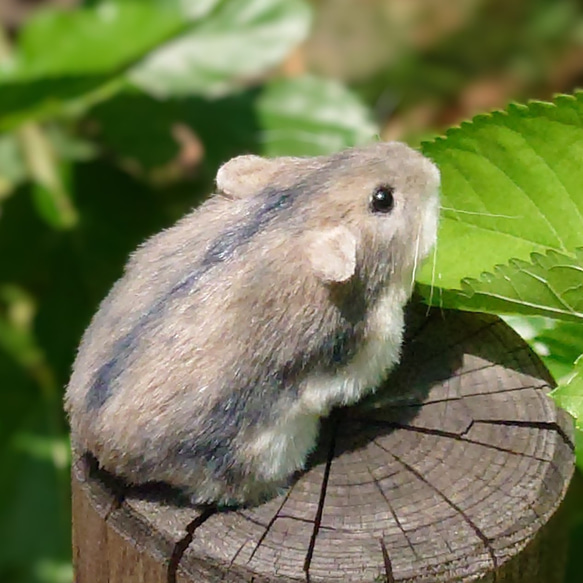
(40, 157)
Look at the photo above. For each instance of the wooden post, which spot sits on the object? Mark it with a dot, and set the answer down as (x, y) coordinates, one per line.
(453, 471)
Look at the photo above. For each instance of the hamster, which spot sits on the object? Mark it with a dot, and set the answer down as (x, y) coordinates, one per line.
(211, 361)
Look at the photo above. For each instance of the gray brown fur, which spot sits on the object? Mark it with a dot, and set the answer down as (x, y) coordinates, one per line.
(220, 322)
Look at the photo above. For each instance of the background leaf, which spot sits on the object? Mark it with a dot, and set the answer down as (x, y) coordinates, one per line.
(29, 435)
(558, 343)
(56, 280)
(310, 116)
(301, 116)
(87, 48)
(237, 42)
(49, 174)
(569, 396)
(91, 40)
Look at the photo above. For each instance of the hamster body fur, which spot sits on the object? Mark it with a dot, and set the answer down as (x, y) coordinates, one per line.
(230, 334)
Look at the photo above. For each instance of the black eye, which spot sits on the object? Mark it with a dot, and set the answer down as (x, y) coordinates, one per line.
(382, 199)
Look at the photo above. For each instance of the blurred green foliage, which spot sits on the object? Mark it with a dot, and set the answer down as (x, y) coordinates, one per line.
(114, 117)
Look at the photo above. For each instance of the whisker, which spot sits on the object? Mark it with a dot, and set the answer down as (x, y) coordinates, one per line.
(479, 214)
(416, 260)
(433, 269)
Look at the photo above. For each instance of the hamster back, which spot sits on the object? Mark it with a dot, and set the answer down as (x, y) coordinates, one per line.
(211, 361)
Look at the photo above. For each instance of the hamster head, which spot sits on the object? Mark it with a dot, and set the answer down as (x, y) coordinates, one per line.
(370, 211)
(387, 196)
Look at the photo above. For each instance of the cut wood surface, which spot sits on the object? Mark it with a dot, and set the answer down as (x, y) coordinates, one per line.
(450, 472)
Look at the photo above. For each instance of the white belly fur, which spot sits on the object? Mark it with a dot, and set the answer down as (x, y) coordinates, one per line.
(282, 449)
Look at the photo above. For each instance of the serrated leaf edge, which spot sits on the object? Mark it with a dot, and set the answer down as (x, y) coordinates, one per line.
(468, 284)
(492, 116)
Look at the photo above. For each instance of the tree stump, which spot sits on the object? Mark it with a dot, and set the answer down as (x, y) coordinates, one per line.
(452, 471)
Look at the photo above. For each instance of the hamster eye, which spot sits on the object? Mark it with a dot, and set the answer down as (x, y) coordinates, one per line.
(382, 200)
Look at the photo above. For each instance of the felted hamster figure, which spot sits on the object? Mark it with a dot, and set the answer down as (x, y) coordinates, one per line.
(230, 334)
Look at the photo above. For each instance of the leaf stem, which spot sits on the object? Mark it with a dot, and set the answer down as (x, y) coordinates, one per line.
(42, 164)
(40, 157)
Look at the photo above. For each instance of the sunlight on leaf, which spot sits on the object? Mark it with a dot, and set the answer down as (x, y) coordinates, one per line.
(91, 40)
(41, 447)
(311, 116)
(236, 42)
(87, 48)
(50, 571)
(512, 185)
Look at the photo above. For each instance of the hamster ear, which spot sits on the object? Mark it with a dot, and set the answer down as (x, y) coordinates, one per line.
(247, 175)
(332, 254)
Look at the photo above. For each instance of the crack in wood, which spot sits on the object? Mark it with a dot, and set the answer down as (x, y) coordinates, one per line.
(113, 486)
(403, 403)
(267, 528)
(426, 430)
(389, 577)
(308, 521)
(457, 436)
(360, 414)
(522, 348)
(532, 358)
(393, 513)
(485, 540)
(183, 544)
(116, 504)
(250, 519)
(468, 371)
(538, 387)
(549, 425)
(318, 517)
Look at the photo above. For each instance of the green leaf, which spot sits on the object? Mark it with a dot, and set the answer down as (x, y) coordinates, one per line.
(558, 343)
(51, 193)
(302, 116)
(64, 54)
(550, 285)
(237, 42)
(33, 448)
(569, 395)
(30, 155)
(579, 448)
(52, 200)
(191, 9)
(91, 41)
(512, 185)
(309, 116)
(35, 496)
